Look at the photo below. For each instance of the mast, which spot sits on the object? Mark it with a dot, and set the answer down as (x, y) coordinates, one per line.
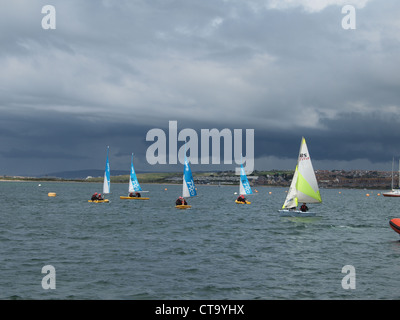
(392, 172)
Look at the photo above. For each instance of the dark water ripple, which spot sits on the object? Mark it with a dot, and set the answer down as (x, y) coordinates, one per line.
(216, 250)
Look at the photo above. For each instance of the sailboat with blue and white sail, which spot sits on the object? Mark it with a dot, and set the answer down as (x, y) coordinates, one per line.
(188, 187)
(244, 187)
(134, 188)
(106, 183)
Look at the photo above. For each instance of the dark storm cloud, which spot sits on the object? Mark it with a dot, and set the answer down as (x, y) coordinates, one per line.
(112, 70)
(51, 141)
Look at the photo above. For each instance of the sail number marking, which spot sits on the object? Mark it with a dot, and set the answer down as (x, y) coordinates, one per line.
(303, 156)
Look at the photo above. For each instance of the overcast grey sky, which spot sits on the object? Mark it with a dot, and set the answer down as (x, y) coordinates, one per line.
(114, 69)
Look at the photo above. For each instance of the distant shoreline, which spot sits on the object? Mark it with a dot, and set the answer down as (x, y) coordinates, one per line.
(357, 179)
(327, 179)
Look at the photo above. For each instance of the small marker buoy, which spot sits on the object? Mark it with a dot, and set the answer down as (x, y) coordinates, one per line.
(367, 194)
(270, 192)
(51, 194)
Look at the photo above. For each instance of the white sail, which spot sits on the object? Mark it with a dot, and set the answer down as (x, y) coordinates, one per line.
(106, 183)
(244, 187)
(291, 197)
(185, 189)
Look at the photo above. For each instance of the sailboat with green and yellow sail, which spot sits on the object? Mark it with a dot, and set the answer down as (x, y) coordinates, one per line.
(304, 187)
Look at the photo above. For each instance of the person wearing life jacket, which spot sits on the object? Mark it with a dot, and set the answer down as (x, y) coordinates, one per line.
(303, 207)
(241, 198)
(180, 201)
(131, 194)
(99, 197)
(137, 194)
(94, 196)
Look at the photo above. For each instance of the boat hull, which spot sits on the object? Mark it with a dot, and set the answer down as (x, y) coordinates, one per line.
(134, 198)
(241, 202)
(296, 213)
(99, 201)
(393, 195)
(183, 206)
(395, 225)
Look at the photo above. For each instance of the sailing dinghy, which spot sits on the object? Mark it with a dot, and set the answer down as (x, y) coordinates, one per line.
(244, 187)
(134, 185)
(106, 183)
(304, 186)
(188, 187)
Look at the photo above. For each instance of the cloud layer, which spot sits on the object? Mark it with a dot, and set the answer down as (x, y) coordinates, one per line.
(112, 70)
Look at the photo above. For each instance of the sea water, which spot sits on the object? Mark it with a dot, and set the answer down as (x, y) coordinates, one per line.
(130, 249)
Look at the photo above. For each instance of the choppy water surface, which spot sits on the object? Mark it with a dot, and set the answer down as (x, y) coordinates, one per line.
(216, 250)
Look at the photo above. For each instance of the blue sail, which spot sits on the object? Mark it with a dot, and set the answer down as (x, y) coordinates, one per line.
(106, 184)
(244, 183)
(134, 185)
(189, 189)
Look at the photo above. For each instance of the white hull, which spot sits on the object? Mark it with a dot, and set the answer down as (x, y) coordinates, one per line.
(296, 213)
(393, 193)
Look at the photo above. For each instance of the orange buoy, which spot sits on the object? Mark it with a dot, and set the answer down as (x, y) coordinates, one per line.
(51, 194)
(367, 194)
(395, 224)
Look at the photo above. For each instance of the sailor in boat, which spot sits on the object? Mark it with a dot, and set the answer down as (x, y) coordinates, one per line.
(136, 194)
(99, 197)
(241, 198)
(94, 196)
(180, 201)
(303, 208)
